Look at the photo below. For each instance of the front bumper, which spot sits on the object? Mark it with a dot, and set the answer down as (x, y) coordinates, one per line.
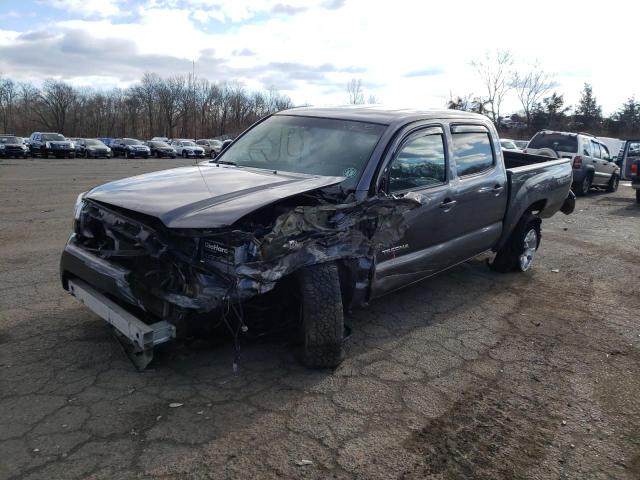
(13, 152)
(138, 153)
(60, 152)
(98, 154)
(139, 336)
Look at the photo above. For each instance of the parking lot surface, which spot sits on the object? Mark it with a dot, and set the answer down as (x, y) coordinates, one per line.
(469, 374)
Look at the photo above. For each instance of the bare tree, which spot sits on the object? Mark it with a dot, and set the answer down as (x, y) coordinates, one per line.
(494, 70)
(355, 92)
(176, 106)
(531, 86)
(372, 99)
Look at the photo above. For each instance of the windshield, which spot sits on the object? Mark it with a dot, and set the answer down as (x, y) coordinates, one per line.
(555, 141)
(131, 141)
(187, 143)
(159, 144)
(10, 140)
(94, 143)
(55, 137)
(317, 146)
(508, 144)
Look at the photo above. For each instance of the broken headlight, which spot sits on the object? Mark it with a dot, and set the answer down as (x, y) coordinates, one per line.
(77, 210)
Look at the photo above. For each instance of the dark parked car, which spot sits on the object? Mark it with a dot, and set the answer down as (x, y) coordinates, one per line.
(211, 147)
(45, 144)
(91, 148)
(323, 209)
(160, 149)
(11, 146)
(129, 148)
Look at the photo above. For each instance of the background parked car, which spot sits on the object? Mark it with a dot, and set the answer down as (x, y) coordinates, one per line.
(508, 144)
(160, 149)
(211, 146)
(634, 174)
(629, 154)
(521, 144)
(160, 139)
(91, 148)
(106, 140)
(11, 146)
(592, 165)
(129, 148)
(188, 148)
(44, 144)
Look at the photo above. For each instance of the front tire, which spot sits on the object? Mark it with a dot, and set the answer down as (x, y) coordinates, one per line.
(638, 195)
(321, 315)
(185, 154)
(519, 251)
(612, 186)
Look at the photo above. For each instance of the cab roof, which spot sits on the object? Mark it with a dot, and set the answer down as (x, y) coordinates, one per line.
(380, 114)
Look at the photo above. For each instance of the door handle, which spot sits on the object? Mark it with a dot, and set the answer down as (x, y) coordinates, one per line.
(447, 204)
(496, 189)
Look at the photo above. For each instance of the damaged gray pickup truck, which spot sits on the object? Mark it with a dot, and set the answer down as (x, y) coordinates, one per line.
(319, 210)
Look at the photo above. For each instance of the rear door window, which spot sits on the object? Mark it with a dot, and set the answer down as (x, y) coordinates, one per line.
(595, 148)
(472, 152)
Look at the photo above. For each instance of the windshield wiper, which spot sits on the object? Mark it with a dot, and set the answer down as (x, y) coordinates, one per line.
(226, 162)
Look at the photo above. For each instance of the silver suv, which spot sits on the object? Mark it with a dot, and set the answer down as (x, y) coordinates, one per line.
(591, 160)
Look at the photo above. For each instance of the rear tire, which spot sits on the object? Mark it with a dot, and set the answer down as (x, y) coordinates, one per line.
(519, 251)
(213, 154)
(322, 316)
(638, 195)
(584, 186)
(185, 154)
(612, 186)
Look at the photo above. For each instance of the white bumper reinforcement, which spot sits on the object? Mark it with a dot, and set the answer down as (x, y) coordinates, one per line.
(142, 337)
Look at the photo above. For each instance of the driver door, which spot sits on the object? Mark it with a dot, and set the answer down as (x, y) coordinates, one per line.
(420, 166)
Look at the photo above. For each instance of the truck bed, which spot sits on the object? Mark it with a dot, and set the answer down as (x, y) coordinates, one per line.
(534, 180)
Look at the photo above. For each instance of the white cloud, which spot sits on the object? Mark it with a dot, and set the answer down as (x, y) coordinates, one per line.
(88, 8)
(411, 53)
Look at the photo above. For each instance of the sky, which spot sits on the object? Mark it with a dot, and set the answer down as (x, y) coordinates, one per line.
(407, 53)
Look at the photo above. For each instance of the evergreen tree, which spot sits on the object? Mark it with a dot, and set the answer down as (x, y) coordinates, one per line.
(588, 114)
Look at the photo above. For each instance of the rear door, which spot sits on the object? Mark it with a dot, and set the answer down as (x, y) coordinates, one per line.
(479, 190)
(601, 175)
(609, 165)
(420, 165)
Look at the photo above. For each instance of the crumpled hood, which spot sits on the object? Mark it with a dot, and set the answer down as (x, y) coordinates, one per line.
(205, 196)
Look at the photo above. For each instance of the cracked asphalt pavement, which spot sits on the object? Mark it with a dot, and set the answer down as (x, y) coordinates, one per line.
(469, 374)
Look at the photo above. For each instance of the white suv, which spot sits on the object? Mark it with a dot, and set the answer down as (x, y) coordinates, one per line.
(187, 148)
(592, 163)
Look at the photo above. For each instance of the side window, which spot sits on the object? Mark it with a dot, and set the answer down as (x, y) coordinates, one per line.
(586, 148)
(634, 150)
(605, 152)
(419, 164)
(595, 148)
(473, 152)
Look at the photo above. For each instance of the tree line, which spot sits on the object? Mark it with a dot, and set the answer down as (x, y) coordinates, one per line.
(543, 107)
(178, 107)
